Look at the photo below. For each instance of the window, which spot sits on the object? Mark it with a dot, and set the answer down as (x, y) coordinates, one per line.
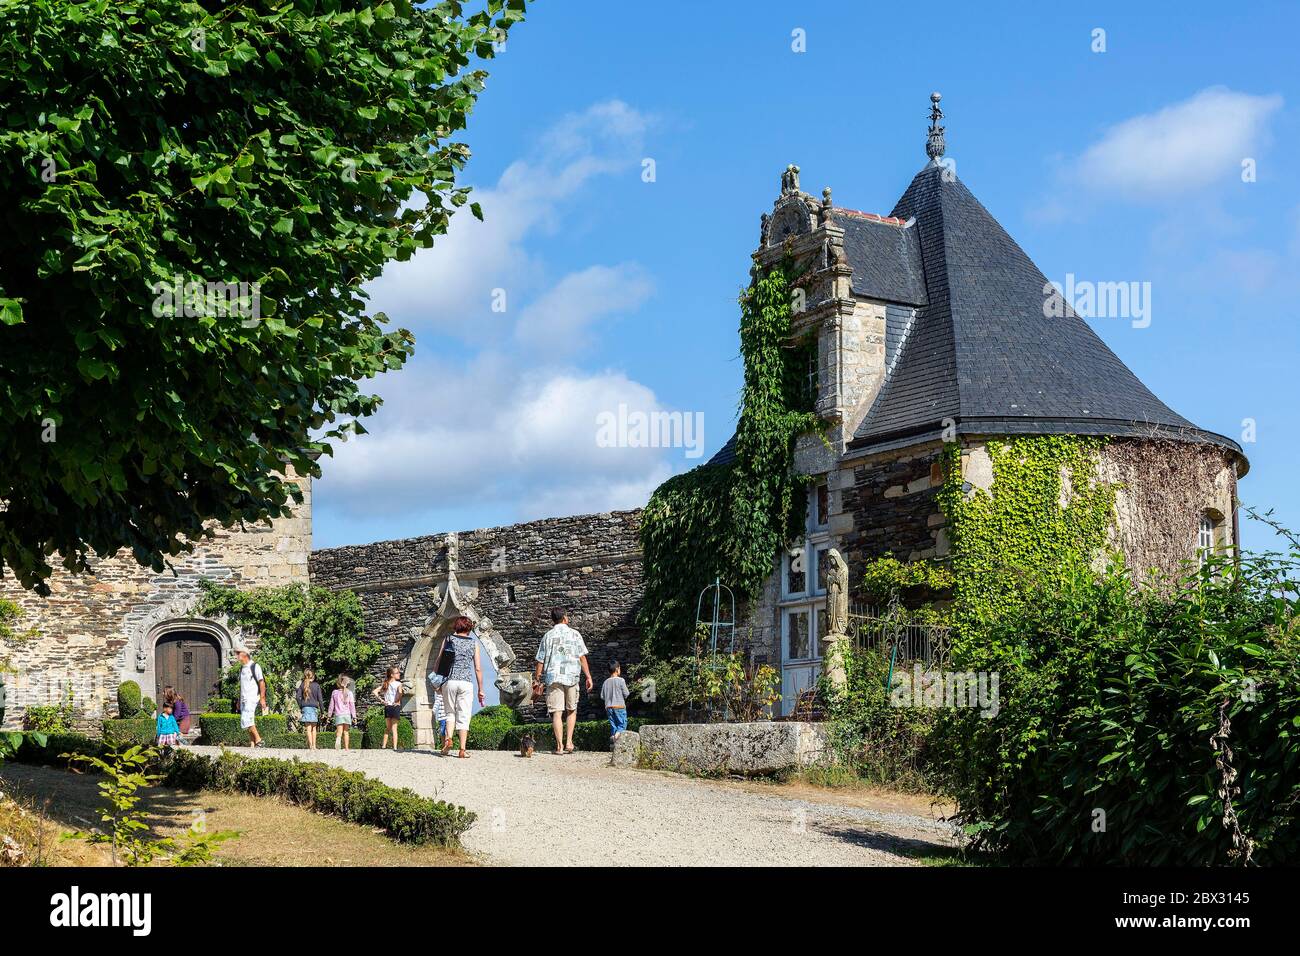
(1206, 537)
(510, 594)
(803, 602)
(812, 383)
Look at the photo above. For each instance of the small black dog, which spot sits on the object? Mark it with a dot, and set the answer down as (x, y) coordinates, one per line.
(527, 745)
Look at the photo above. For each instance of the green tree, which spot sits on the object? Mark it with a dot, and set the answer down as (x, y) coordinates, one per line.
(153, 157)
(299, 627)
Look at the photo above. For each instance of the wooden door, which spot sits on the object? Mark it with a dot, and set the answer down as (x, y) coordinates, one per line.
(191, 663)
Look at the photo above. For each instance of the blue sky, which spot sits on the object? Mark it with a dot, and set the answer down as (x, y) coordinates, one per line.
(1122, 165)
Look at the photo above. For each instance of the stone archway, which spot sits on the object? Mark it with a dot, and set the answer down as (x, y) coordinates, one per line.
(137, 661)
(453, 601)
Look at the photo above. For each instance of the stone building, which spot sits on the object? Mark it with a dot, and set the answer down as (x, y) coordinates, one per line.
(931, 326)
(125, 622)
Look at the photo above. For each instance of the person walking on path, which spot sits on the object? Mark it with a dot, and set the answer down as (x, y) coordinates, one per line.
(343, 711)
(310, 698)
(456, 689)
(560, 656)
(389, 693)
(252, 691)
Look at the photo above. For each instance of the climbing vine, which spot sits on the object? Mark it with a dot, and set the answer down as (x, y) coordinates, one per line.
(1044, 518)
(729, 520)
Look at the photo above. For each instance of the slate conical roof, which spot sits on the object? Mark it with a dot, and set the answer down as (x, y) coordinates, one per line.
(982, 353)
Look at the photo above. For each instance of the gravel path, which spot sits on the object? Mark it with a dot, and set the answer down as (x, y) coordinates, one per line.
(577, 810)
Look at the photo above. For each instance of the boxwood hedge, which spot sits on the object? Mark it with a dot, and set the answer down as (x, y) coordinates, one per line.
(374, 726)
(124, 733)
(403, 814)
(224, 729)
(592, 735)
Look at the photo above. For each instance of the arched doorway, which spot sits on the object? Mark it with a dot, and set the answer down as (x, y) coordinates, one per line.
(190, 661)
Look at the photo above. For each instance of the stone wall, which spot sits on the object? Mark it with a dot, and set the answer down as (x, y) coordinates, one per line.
(512, 576)
(96, 630)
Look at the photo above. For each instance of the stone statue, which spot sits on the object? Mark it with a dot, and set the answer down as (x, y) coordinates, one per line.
(837, 593)
(837, 616)
(516, 690)
(790, 180)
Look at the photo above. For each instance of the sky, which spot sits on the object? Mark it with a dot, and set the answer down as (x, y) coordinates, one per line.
(622, 156)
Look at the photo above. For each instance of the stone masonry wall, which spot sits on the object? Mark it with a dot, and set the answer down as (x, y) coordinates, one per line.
(92, 626)
(514, 575)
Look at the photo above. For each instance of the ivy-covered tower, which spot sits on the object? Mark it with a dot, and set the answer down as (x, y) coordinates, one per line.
(941, 351)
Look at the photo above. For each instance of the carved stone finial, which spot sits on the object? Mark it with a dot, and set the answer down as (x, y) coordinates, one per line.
(790, 180)
(826, 204)
(934, 146)
(762, 231)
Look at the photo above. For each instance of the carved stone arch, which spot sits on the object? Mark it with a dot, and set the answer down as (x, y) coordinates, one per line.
(453, 601)
(180, 614)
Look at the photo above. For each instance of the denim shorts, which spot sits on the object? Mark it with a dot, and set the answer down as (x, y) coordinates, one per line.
(617, 720)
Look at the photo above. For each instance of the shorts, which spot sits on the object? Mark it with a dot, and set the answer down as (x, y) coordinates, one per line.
(561, 697)
(456, 702)
(310, 715)
(617, 720)
(392, 711)
(247, 714)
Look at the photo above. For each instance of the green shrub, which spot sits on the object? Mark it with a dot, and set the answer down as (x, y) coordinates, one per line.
(297, 740)
(124, 733)
(403, 814)
(591, 735)
(51, 718)
(374, 725)
(868, 737)
(488, 727)
(217, 729)
(128, 699)
(147, 707)
(1119, 700)
(221, 705)
(32, 750)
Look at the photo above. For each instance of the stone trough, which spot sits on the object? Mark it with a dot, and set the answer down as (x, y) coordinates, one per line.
(749, 749)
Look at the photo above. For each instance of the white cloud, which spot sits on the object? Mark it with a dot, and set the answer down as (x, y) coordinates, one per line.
(449, 287)
(495, 431)
(565, 312)
(1181, 147)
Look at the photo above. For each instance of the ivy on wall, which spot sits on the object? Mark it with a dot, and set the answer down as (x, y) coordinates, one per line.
(1045, 517)
(728, 521)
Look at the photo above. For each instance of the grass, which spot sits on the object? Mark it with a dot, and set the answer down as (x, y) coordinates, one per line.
(271, 831)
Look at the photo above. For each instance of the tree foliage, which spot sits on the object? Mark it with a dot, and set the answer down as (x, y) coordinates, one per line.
(277, 143)
(297, 627)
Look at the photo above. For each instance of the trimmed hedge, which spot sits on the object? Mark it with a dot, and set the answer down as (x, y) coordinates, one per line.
(128, 699)
(403, 814)
(297, 740)
(592, 735)
(374, 725)
(224, 729)
(147, 707)
(221, 705)
(136, 730)
(30, 751)
(489, 726)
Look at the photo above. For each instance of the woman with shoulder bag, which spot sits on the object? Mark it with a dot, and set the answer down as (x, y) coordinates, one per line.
(461, 665)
